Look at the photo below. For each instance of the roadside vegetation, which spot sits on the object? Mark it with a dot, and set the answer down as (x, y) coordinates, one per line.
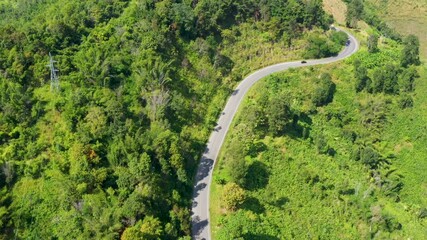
(334, 152)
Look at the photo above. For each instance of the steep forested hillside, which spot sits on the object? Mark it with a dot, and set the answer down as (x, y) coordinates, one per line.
(334, 151)
(111, 153)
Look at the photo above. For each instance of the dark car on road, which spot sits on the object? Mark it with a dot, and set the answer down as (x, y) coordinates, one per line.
(348, 42)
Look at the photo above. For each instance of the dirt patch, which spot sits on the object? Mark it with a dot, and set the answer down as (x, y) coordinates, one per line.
(401, 146)
(407, 17)
(337, 8)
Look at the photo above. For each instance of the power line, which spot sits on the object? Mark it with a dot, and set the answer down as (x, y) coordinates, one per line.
(54, 81)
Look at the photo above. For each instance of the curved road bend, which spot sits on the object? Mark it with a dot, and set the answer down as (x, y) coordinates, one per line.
(200, 204)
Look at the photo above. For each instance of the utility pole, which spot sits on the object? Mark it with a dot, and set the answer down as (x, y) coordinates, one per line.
(54, 81)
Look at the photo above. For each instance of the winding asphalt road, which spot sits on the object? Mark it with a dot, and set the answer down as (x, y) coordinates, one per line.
(201, 191)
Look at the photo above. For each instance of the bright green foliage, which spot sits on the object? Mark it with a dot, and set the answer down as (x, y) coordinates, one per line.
(233, 196)
(150, 228)
(141, 85)
(336, 169)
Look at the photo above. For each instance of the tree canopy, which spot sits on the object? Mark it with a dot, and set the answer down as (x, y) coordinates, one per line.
(113, 152)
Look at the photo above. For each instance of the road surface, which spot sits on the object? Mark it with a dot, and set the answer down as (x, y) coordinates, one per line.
(200, 204)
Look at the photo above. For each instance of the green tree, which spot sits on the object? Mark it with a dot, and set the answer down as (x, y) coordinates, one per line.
(237, 169)
(407, 79)
(278, 114)
(411, 52)
(361, 75)
(406, 101)
(151, 228)
(391, 85)
(354, 13)
(369, 157)
(321, 144)
(320, 47)
(339, 37)
(372, 43)
(378, 79)
(233, 196)
(324, 92)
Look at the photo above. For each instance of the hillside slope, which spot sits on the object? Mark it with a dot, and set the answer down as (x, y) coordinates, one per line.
(111, 153)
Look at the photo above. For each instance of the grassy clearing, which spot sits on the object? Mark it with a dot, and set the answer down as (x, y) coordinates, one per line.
(407, 17)
(336, 8)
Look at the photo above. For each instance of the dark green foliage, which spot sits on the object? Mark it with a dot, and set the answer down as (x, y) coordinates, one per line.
(354, 13)
(407, 79)
(278, 114)
(372, 43)
(321, 46)
(385, 79)
(339, 37)
(361, 75)
(391, 85)
(374, 115)
(411, 51)
(422, 213)
(406, 101)
(378, 79)
(321, 144)
(324, 92)
(371, 17)
(257, 176)
(237, 170)
(370, 157)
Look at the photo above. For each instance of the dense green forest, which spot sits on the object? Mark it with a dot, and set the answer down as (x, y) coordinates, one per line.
(330, 152)
(112, 152)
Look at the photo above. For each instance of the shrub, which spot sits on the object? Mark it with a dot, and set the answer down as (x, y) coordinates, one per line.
(411, 52)
(320, 47)
(407, 79)
(370, 157)
(278, 114)
(406, 101)
(237, 169)
(233, 196)
(324, 92)
(372, 43)
(339, 37)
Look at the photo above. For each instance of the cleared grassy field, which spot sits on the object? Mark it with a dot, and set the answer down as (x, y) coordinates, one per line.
(407, 17)
(407, 129)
